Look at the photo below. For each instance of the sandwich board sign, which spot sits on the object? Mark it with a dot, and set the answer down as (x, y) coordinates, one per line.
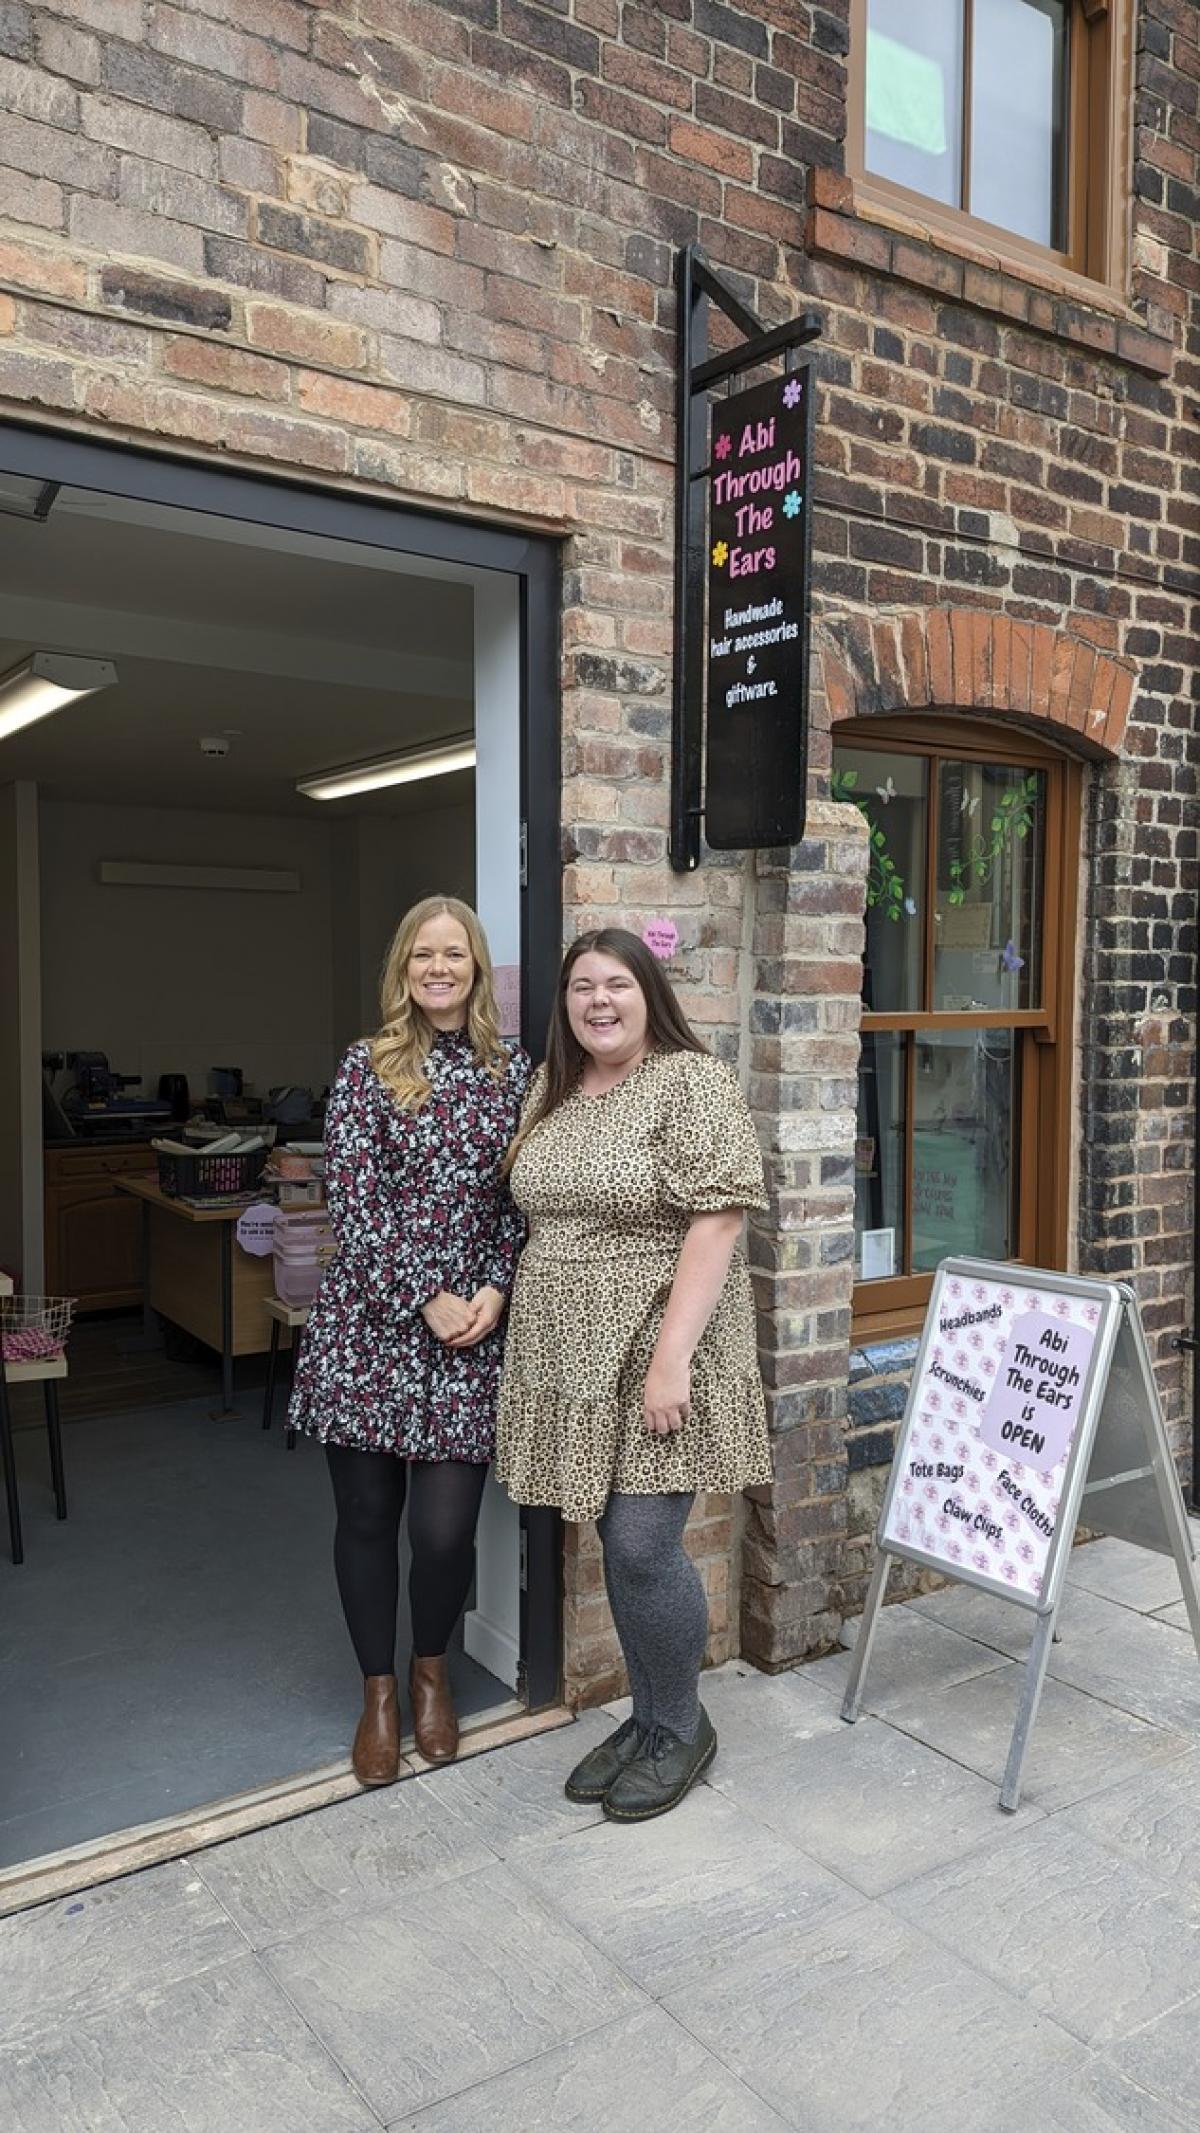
(1032, 1406)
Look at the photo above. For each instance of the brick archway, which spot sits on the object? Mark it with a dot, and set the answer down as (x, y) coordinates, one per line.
(971, 659)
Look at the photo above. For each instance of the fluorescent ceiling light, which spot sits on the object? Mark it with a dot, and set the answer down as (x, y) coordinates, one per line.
(44, 683)
(431, 762)
(24, 496)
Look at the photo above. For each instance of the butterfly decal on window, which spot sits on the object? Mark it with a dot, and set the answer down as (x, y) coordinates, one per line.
(969, 804)
(886, 791)
(1011, 960)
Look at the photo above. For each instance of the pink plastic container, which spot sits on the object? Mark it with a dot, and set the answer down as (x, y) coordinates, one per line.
(303, 1247)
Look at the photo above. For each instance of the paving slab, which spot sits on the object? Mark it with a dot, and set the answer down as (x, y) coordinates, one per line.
(1008, 1628)
(515, 1796)
(71, 1959)
(352, 1856)
(1095, 2099)
(1152, 1822)
(208, 2054)
(643, 2072)
(1163, 2058)
(659, 1897)
(910, 1656)
(867, 2023)
(1093, 1942)
(1141, 1665)
(760, 1715)
(873, 1805)
(1136, 1577)
(441, 1989)
(1077, 1747)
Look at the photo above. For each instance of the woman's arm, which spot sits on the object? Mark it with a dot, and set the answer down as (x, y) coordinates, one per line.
(695, 1291)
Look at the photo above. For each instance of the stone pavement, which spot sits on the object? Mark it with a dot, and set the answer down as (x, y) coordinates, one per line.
(841, 1931)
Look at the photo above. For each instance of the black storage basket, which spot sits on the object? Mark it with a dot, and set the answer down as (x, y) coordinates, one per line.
(209, 1177)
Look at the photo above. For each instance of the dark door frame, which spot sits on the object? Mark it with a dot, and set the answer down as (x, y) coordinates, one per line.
(304, 506)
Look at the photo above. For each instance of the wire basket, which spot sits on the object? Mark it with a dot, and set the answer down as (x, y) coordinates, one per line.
(34, 1329)
(209, 1177)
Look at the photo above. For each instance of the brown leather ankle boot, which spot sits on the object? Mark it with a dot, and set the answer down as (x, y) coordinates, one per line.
(434, 1722)
(376, 1751)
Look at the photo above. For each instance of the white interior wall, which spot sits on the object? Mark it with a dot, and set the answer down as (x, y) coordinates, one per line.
(400, 860)
(181, 980)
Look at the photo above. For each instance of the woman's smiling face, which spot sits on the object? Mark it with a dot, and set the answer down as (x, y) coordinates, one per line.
(441, 971)
(606, 1009)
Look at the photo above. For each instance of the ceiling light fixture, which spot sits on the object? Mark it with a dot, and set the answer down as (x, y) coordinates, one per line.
(44, 683)
(22, 496)
(433, 761)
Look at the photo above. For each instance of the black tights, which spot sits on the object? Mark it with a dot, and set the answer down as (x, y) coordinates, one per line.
(444, 1497)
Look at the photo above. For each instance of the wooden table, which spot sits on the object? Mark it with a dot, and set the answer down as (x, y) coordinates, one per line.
(193, 1276)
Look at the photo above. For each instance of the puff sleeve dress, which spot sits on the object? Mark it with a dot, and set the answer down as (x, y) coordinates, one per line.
(609, 1185)
(417, 1205)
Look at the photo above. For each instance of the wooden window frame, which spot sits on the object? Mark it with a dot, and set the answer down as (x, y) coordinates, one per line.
(1097, 157)
(1043, 1050)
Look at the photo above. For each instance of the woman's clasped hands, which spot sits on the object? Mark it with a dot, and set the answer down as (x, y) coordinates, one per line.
(459, 1322)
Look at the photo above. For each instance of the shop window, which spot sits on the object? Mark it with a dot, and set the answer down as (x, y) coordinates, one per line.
(962, 1142)
(1007, 113)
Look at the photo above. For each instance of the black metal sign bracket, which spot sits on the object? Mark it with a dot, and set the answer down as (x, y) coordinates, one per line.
(697, 285)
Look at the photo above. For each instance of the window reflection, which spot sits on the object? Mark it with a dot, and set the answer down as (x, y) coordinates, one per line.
(879, 1240)
(1018, 117)
(987, 912)
(891, 791)
(915, 95)
(963, 1172)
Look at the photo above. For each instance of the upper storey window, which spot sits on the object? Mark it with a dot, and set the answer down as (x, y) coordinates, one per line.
(1007, 114)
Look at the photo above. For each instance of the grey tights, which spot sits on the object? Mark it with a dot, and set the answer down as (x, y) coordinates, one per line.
(658, 1605)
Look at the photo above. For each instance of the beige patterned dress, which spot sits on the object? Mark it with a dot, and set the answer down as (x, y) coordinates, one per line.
(609, 1185)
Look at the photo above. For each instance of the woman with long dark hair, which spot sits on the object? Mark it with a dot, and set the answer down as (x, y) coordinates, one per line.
(399, 1369)
(631, 1374)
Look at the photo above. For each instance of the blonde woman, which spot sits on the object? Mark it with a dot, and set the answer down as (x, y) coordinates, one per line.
(398, 1374)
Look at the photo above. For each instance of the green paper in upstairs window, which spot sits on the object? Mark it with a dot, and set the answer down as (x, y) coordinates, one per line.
(906, 96)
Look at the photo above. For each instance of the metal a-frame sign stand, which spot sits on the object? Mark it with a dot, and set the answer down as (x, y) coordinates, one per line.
(983, 1520)
(760, 790)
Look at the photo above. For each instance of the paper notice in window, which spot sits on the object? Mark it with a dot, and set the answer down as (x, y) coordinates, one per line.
(878, 1254)
(508, 998)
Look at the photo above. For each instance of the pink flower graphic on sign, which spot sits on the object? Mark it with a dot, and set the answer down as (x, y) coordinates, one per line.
(1033, 1303)
(990, 1461)
(936, 1443)
(988, 1367)
(930, 1492)
(973, 1484)
(1007, 1299)
(1062, 1307)
(960, 1407)
(1012, 1521)
(1025, 1551)
(979, 1292)
(935, 1401)
(723, 447)
(1092, 1313)
(961, 1450)
(954, 1551)
(1009, 1571)
(954, 1287)
(977, 1340)
(981, 1559)
(791, 393)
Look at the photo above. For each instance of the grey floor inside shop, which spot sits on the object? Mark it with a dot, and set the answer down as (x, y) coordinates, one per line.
(178, 1639)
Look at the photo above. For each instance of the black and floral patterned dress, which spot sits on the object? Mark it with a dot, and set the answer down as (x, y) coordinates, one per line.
(417, 1206)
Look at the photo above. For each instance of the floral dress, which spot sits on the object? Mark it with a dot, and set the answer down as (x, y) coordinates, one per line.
(610, 1185)
(417, 1205)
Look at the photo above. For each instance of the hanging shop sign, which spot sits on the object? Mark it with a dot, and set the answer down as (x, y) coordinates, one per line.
(1033, 1395)
(743, 542)
(757, 638)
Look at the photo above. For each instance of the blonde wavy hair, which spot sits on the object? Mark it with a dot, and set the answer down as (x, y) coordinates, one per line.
(402, 1044)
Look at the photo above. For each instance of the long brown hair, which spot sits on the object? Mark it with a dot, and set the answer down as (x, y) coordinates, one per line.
(405, 1038)
(667, 1027)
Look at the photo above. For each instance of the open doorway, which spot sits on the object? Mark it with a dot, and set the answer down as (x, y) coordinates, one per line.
(195, 931)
